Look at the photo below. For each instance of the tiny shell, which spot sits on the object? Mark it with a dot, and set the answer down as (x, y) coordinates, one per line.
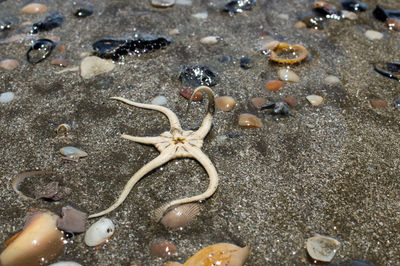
(73, 152)
(159, 100)
(6, 97)
(220, 254)
(373, 35)
(65, 263)
(187, 93)
(210, 40)
(162, 248)
(59, 62)
(314, 99)
(163, 3)
(332, 80)
(40, 241)
(99, 232)
(322, 248)
(288, 75)
(34, 8)
(285, 53)
(9, 64)
(225, 103)
(349, 15)
(180, 215)
(291, 101)
(300, 25)
(393, 24)
(249, 121)
(273, 85)
(63, 128)
(201, 15)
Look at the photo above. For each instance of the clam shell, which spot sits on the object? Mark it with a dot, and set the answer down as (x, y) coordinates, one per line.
(288, 75)
(99, 232)
(180, 215)
(225, 103)
(249, 121)
(315, 99)
(73, 151)
(34, 8)
(322, 248)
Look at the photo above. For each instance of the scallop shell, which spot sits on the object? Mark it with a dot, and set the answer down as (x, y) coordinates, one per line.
(322, 248)
(99, 232)
(286, 53)
(180, 215)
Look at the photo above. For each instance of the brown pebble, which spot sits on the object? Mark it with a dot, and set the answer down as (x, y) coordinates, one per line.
(48, 191)
(273, 85)
(34, 8)
(225, 103)
(9, 64)
(300, 25)
(62, 48)
(393, 24)
(291, 101)
(378, 103)
(59, 62)
(72, 221)
(162, 248)
(188, 92)
(258, 102)
(249, 121)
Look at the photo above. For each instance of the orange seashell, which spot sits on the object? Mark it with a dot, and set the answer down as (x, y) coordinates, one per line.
(273, 85)
(286, 53)
(223, 254)
(39, 242)
(187, 93)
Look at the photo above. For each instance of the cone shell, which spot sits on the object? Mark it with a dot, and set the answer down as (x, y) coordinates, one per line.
(40, 242)
(180, 215)
(223, 254)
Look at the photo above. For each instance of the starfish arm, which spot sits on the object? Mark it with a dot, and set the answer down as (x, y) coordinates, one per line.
(161, 159)
(173, 119)
(212, 186)
(143, 140)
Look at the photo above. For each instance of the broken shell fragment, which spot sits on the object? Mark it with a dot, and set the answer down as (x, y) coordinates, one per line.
(72, 152)
(20, 178)
(286, 53)
(288, 75)
(180, 215)
(65, 263)
(92, 66)
(99, 232)
(322, 248)
(220, 254)
(72, 221)
(39, 242)
(210, 40)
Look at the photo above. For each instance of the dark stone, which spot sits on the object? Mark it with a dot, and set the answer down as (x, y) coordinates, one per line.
(315, 22)
(246, 63)
(83, 12)
(72, 220)
(52, 21)
(354, 6)
(397, 103)
(194, 76)
(5, 25)
(383, 14)
(391, 72)
(41, 49)
(225, 59)
(277, 108)
(238, 6)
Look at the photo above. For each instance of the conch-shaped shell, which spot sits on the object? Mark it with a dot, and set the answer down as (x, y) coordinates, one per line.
(37, 244)
(222, 254)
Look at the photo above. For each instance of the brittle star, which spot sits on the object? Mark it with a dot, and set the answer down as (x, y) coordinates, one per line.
(176, 143)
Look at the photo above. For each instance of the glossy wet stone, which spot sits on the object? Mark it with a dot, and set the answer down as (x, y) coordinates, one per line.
(246, 63)
(238, 6)
(225, 103)
(194, 76)
(273, 85)
(83, 12)
(51, 21)
(249, 121)
(34, 8)
(354, 6)
(39, 51)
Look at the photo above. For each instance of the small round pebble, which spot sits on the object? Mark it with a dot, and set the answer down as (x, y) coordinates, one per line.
(159, 100)
(376, 103)
(349, 15)
(225, 103)
(163, 3)
(34, 8)
(210, 40)
(291, 101)
(201, 15)
(332, 80)
(273, 85)
(9, 64)
(59, 62)
(373, 35)
(300, 25)
(6, 97)
(258, 102)
(288, 75)
(249, 121)
(315, 100)
(246, 63)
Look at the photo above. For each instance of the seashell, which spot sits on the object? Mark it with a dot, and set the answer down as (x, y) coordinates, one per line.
(184, 2)
(65, 263)
(277, 108)
(332, 80)
(20, 178)
(34, 8)
(92, 66)
(225, 103)
(249, 121)
(39, 51)
(180, 215)
(195, 76)
(266, 43)
(70, 151)
(162, 248)
(238, 6)
(288, 75)
(300, 25)
(210, 40)
(72, 221)
(9, 64)
(373, 35)
(349, 15)
(172, 263)
(326, 9)
(220, 254)
(200, 15)
(163, 3)
(273, 85)
(314, 22)
(286, 53)
(322, 248)
(6, 97)
(63, 128)
(159, 100)
(315, 100)
(258, 102)
(187, 93)
(376, 103)
(291, 101)
(38, 243)
(99, 232)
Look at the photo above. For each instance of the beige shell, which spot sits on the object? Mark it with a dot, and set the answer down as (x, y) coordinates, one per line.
(34, 8)
(322, 248)
(180, 215)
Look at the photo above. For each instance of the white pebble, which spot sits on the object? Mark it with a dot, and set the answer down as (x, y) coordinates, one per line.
(349, 15)
(322, 248)
(174, 31)
(315, 100)
(210, 40)
(92, 66)
(283, 16)
(288, 75)
(332, 79)
(184, 2)
(73, 152)
(65, 263)
(159, 100)
(99, 232)
(6, 97)
(163, 3)
(201, 15)
(373, 35)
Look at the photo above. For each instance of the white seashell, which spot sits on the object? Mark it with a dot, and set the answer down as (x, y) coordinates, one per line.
(92, 66)
(201, 15)
(210, 40)
(99, 232)
(288, 75)
(73, 152)
(315, 99)
(349, 15)
(322, 248)
(159, 100)
(65, 263)
(332, 79)
(184, 2)
(163, 3)
(373, 35)
(6, 97)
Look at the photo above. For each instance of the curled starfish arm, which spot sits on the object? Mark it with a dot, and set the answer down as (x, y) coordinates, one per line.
(212, 186)
(143, 140)
(173, 119)
(161, 159)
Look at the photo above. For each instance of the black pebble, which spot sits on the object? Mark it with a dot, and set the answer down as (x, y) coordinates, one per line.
(5, 25)
(354, 6)
(238, 6)
(246, 63)
(43, 48)
(194, 76)
(83, 12)
(277, 108)
(397, 103)
(52, 21)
